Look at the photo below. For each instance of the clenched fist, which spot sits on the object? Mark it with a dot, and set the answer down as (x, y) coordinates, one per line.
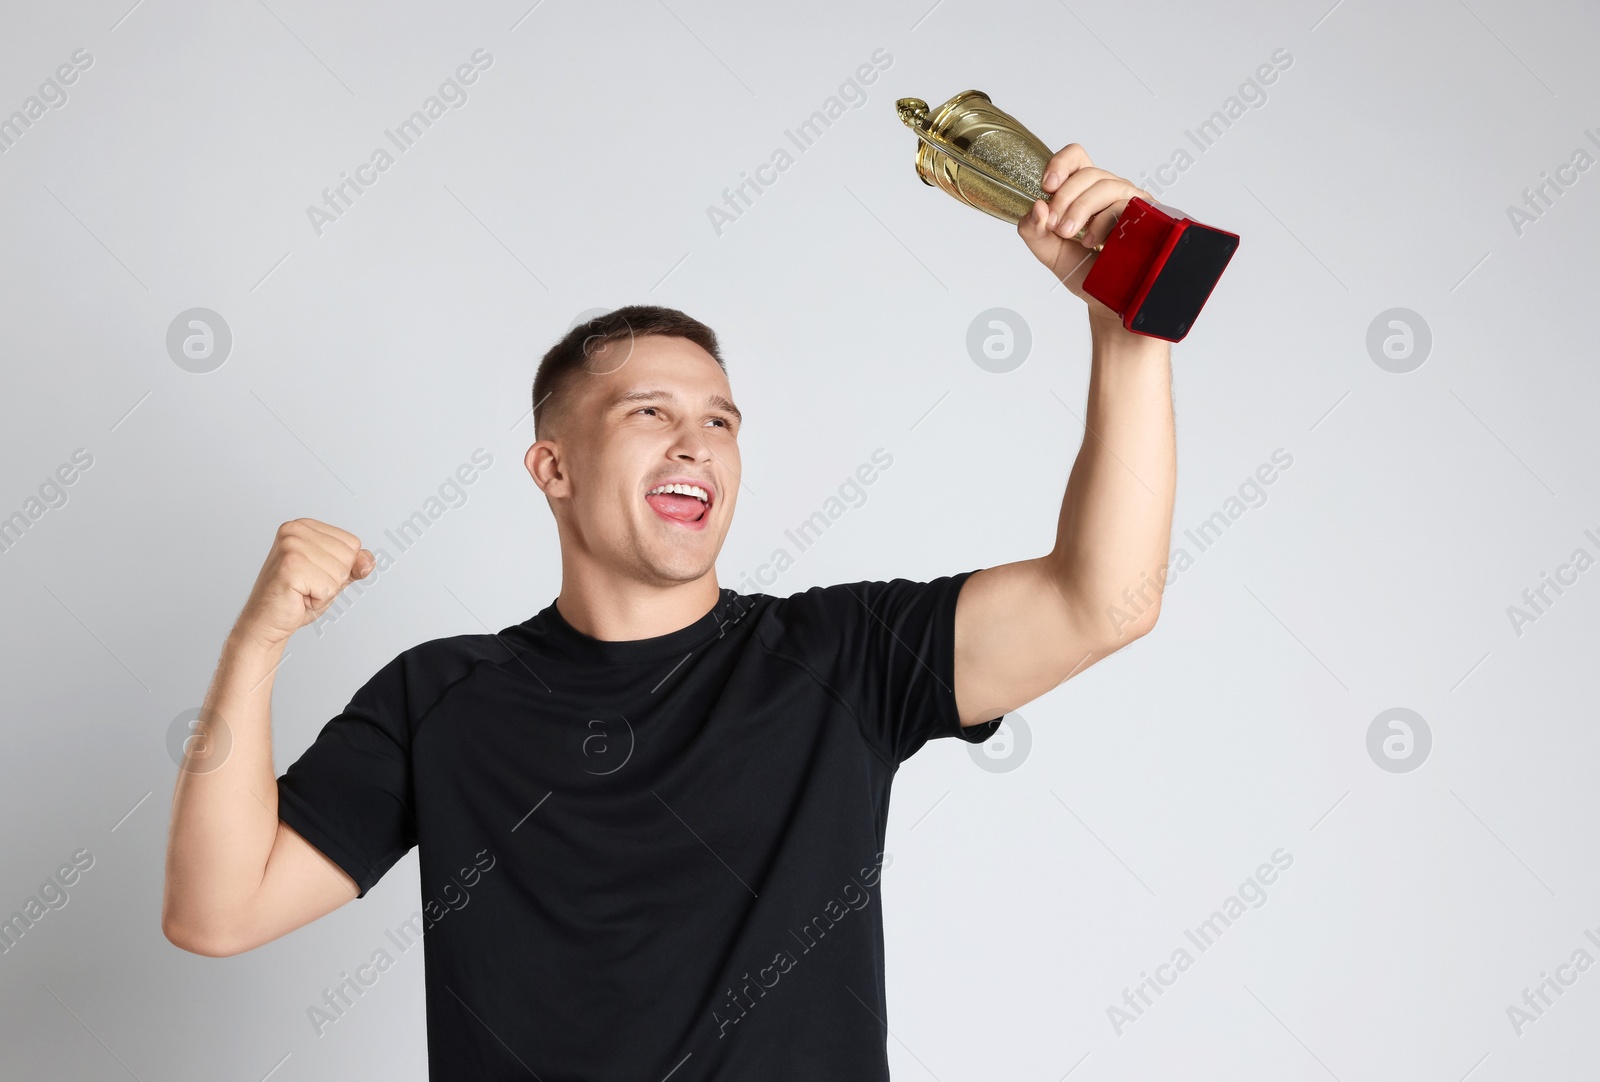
(309, 563)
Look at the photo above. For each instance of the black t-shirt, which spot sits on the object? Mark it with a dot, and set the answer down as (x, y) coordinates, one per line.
(648, 856)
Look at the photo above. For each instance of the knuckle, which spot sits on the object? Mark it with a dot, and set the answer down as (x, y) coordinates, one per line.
(1074, 152)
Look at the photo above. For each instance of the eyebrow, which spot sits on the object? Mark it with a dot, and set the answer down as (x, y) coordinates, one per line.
(716, 401)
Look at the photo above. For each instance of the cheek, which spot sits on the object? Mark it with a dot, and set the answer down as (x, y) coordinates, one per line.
(734, 471)
(615, 478)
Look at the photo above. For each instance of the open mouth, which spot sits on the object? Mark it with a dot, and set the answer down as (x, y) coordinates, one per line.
(684, 503)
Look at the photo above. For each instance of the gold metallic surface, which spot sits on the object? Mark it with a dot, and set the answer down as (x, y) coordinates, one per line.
(980, 154)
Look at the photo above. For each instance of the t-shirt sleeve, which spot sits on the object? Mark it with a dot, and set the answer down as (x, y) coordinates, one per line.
(888, 649)
(350, 793)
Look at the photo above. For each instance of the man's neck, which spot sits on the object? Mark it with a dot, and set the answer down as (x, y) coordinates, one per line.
(614, 609)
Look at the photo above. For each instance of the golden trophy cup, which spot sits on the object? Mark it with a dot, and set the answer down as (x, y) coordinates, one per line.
(1155, 270)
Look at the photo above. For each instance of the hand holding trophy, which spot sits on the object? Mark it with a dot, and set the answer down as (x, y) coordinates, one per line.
(1068, 227)
(1145, 265)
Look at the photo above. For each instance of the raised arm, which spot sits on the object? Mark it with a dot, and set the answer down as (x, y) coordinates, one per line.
(237, 877)
(1023, 628)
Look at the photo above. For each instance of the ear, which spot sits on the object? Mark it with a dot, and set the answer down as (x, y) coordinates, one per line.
(544, 465)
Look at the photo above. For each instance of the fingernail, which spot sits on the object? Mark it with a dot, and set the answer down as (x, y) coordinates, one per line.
(1050, 182)
(1069, 227)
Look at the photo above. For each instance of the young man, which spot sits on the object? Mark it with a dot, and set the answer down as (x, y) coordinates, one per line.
(650, 817)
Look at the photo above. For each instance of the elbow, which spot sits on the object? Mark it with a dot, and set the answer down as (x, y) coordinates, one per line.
(1124, 622)
(1145, 622)
(1097, 622)
(197, 937)
(188, 940)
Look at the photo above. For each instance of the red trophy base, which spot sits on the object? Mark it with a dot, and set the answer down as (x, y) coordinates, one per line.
(1157, 268)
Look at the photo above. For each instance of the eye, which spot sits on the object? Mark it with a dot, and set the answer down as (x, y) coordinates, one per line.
(721, 421)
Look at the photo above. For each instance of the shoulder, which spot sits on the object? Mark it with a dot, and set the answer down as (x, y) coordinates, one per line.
(807, 616)
(824, 621)
(456, 653)
(418, 677)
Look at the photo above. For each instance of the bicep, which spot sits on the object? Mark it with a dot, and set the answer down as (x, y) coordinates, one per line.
(299, 885)
(1018, 636)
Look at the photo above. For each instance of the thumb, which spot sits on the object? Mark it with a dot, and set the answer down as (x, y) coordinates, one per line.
(1041, 241)
(363, 565)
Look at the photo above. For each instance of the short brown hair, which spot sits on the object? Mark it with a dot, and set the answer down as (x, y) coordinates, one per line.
(568, 356)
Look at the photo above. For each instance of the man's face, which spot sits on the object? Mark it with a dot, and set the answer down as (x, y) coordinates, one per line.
(647, 412)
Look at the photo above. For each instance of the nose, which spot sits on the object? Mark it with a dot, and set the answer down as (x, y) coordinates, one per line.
(690, 445)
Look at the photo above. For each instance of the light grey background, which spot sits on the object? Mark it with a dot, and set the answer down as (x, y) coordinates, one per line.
(369, 362)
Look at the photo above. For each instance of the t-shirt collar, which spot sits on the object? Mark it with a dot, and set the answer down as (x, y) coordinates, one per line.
(552, 630)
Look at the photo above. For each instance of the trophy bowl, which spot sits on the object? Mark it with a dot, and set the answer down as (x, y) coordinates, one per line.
(1004, 161)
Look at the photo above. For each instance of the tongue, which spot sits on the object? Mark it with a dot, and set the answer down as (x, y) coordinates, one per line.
(682, 508)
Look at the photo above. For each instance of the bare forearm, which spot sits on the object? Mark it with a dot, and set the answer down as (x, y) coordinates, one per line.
(225, 805)
(1115, 528)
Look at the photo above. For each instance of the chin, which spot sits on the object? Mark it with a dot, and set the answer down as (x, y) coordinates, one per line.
(683, 570)
(682, 556)
(666, 567)
(659, 575)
